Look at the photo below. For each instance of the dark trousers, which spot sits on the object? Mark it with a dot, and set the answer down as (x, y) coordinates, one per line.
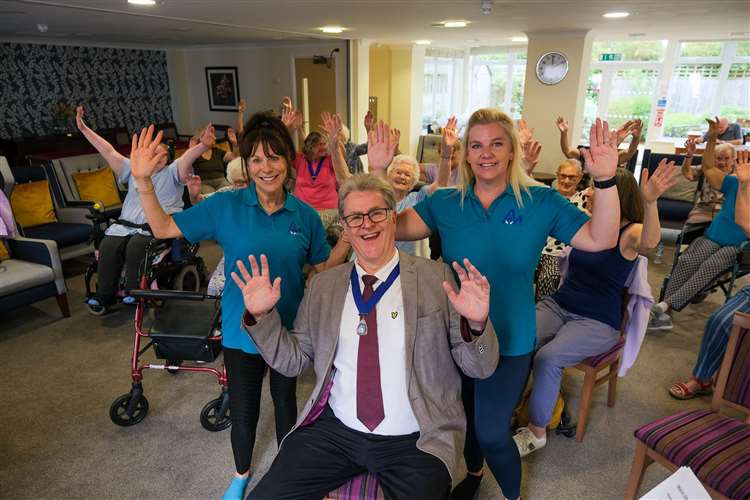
(114, 251)
(489, 405)
(319, 458)
(245, 372)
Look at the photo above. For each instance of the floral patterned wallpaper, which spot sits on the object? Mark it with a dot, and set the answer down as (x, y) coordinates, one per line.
(118, 87)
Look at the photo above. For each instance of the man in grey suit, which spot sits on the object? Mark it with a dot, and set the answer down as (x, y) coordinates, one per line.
(387, 397)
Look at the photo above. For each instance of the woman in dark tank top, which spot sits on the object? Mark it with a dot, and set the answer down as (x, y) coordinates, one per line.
(583, 317)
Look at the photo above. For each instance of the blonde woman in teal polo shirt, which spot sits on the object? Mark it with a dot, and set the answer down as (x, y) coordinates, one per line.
(500, 218)
(262, 218)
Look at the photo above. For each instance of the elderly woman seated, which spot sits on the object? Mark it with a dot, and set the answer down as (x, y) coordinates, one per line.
(211, 165)
(402, 171)
(709, 200)
(712, 254)
(569, 174)
(583, 317)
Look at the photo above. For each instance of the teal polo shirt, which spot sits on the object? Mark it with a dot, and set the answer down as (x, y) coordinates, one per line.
(290, 237)
(723, 229)
(504, 243)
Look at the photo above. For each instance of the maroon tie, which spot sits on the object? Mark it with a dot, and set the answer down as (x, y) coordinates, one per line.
(369, 394)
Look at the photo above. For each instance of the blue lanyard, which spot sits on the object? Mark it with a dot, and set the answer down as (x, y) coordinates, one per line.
(364, 307)
(314, 174)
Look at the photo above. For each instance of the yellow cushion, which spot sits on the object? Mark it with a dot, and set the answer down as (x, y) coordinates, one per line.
(98, 185)
(4, 255)
(32, 204)
(224, 146)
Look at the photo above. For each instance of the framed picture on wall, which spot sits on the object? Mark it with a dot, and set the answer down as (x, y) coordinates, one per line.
(223, 88)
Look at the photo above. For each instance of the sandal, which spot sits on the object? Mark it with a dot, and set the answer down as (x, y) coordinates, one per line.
(680, 390)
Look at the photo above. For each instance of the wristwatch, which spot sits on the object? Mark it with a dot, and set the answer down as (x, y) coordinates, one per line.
(607, 183)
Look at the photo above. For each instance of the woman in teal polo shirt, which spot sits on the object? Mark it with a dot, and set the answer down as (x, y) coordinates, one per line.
(500, 218)
(262, 218)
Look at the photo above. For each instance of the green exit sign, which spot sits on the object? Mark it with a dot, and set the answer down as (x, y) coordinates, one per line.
(610, 57)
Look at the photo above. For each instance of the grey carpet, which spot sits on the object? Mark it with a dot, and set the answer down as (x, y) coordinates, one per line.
(59, 377)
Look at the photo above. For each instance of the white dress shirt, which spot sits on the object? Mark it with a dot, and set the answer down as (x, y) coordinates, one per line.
(399, 417)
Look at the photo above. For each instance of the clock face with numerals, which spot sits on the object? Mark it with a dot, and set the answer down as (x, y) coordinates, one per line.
(552, 68)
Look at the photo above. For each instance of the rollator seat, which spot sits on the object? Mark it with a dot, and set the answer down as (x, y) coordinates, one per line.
(180, 330)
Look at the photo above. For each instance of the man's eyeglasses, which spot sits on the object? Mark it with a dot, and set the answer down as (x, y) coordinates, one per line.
(567, 177)
(375, 215)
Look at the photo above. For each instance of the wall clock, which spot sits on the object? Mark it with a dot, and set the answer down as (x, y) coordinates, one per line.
(552, 68)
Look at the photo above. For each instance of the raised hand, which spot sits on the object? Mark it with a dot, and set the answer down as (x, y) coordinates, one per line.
(663, 178)
(449, 137)
(291, 117)
(232, 136)
(601, 157)
(525, 134)
(381, 146)
(743, 166)
(332, 125)
(531, 151)
(473, 299)
(242, 106)
(258, 293)
(208, 137)
(286, 103)
(369, 120)
(624, 131)
(562, 124)
(690, 147)
(636, 127)
(395, 139)
(145, 153)
(713, 127)
(79, 119)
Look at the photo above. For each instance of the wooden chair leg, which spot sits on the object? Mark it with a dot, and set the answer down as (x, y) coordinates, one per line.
(583, 412)
(62, 303)
(612, 384)
(640, 462)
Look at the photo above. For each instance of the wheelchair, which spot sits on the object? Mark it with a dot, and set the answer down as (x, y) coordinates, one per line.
(184, 326)
(724, 281)
(171, 264)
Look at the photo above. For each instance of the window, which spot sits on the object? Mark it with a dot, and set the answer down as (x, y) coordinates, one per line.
(442, 86)
(497, 81)
(653, 50)
(710, 78)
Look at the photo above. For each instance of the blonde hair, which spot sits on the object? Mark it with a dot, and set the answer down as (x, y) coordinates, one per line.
(517, 176)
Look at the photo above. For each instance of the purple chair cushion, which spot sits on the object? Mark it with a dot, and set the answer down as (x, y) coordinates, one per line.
(605, 357)
(738, 382)
(363, 487)
(715, 447)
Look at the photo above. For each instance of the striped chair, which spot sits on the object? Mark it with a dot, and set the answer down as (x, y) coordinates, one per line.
(715, 447)
(363, 487)
(591, 368)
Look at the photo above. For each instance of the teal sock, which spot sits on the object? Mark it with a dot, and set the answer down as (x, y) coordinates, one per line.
(236, 490)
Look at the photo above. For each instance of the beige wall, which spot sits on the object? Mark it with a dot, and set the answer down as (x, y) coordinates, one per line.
(360, 91)
(265, 75)
(543, 103)
(396, 79)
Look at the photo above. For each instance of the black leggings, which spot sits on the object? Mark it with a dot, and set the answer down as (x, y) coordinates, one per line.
(489, 405)
(245, 373)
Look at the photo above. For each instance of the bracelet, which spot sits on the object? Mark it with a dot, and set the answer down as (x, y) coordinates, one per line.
(144, 189)
(607, 183)
(446, 157)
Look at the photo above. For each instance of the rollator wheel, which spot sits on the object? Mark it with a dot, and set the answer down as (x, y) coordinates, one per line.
(187, 279)
(211, 420)
(118, 412)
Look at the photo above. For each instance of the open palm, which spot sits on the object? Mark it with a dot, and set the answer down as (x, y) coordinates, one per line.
(743, 166)
(381, 146)
(144, 153)
(473, 299)
(601, 157)
(663, 178)
(258, 293)
(449, 137)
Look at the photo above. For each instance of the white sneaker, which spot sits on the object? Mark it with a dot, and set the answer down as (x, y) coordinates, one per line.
(527, 442)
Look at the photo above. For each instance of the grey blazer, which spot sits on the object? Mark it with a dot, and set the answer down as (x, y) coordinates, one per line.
(435, 349)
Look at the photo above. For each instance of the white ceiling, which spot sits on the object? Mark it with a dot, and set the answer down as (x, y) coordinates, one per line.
(204, 22)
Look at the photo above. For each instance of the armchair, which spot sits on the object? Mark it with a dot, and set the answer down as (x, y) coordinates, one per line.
(73, 231)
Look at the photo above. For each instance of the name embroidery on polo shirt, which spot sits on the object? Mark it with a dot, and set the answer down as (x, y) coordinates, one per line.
(512, 218)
